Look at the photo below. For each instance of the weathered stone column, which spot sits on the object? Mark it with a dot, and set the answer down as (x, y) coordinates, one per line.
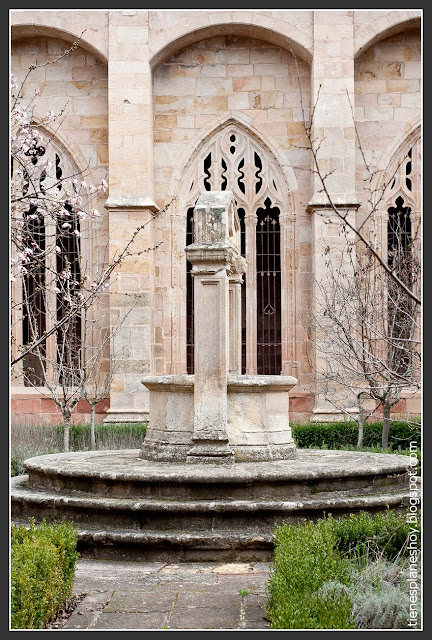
(235, 351)
(251, 303)
(213, 255)
(334, 136)
(130, 205)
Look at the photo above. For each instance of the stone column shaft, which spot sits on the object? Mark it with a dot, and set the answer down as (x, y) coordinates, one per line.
(211, 355)
(235, 320)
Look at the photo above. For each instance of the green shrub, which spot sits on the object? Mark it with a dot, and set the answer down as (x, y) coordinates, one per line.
(336, 435)
(384, 533)
(305, 558)
(325, 574)
(43, 559)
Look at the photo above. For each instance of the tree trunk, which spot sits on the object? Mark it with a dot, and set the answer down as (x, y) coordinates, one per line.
(360, 422)
(66, 419)
(360, 431)
(92, 426)
(386, 426)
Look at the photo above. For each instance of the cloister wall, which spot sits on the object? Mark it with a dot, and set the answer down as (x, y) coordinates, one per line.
(144, 86)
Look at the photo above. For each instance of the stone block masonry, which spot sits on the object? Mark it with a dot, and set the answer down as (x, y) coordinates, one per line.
(146, 90)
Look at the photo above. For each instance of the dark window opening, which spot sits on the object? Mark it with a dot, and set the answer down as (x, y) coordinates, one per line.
(189, 298)
(268, 264)
(207, 165)
(34, 317)
(69, 283)
(400, 305)
(241, 214)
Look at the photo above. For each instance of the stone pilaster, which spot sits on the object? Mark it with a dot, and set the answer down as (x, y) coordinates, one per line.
(131, 304)
(327, 238)
(130, 205)
(333, 137)
(332, 99)
(130, 105)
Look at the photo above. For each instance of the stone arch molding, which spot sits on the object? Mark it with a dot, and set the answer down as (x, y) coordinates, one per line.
(400, 177)
(72, 163)
(393, 162)
(386, 25)
(64, 28)
(239, 156)
(68, 148)
(253, 24)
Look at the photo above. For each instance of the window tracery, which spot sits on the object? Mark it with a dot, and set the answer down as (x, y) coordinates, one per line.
(234, 161)
(51, 239)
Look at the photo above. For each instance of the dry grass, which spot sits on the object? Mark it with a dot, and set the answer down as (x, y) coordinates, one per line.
(29, 440)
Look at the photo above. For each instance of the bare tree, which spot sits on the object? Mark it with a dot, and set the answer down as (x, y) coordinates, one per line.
(368, 348)
(375, 196)
(100, 363)
(55, 292)
(367, 308)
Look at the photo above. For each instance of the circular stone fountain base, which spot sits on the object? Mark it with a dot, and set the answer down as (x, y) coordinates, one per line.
(126, 507)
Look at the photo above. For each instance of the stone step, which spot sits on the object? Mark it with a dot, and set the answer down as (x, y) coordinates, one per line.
(129, 508)
(119, 474)
(190, 514)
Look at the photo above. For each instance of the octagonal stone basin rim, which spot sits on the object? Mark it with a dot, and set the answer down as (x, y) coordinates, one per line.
(236, 383)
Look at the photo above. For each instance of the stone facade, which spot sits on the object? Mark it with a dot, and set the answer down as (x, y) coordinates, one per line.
(147, 93)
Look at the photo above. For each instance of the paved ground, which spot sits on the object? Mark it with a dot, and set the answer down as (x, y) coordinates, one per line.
(157, 595)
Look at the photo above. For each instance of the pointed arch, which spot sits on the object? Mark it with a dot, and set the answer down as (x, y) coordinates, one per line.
(256, 132)
(391, 182)
(234, 156)
(37, 299)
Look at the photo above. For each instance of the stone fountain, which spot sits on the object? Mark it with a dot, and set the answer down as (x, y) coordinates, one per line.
(218, 416)
(218, 467)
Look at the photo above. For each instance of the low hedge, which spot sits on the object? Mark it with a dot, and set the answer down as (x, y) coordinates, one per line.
(335, 435)
(317, 567)
(305, 558)
(43, 559)
(384, 533)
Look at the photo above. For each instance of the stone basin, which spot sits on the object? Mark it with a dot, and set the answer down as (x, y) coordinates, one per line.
(257, 417)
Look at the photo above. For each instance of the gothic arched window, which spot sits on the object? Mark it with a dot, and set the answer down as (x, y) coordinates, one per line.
(402, 245)
(52, 274)
(236, 162)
